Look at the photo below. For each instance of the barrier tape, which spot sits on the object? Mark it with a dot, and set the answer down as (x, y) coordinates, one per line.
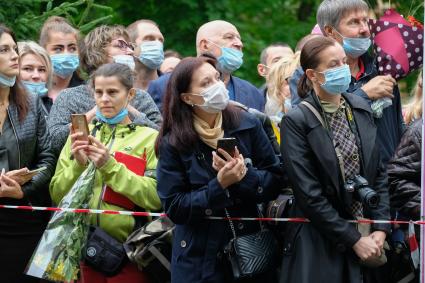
(159, 214)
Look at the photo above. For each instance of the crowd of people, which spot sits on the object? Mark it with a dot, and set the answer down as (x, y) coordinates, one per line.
(312, 132)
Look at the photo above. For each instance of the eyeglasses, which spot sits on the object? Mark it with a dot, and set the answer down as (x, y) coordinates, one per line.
(123, 45)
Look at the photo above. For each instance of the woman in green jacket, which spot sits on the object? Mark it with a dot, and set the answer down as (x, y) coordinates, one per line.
(113, 132)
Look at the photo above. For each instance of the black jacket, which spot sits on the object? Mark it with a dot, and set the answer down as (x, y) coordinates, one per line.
(34, 150)
(33, 143)
(322, 249)
(404, 173)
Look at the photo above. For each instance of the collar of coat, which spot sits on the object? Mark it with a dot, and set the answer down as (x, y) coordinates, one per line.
(369, 65)
(353, 100)
(247, 121)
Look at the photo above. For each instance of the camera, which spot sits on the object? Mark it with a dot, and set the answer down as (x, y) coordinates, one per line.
(365, 194)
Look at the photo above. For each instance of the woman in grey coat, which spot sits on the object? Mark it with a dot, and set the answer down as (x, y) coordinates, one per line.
(102, 45)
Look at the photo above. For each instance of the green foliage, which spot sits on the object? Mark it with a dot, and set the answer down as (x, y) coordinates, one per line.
(26, 17)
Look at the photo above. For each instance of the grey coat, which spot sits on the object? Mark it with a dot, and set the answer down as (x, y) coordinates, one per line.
(80, 100)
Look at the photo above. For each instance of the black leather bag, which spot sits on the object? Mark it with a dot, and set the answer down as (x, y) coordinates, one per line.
(103, 252)
(252, 254)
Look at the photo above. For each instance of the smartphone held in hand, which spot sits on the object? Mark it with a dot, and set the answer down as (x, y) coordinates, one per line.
(228, 145)
(79, 124)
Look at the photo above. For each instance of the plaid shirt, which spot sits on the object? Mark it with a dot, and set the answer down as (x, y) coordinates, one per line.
(345, 140)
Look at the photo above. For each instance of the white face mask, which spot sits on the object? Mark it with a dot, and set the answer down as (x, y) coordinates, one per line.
(216, 98)
(126, 60)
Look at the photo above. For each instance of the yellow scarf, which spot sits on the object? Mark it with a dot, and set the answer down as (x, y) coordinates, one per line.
(209, 135)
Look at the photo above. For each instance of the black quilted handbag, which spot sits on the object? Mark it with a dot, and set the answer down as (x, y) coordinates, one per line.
(252, 254)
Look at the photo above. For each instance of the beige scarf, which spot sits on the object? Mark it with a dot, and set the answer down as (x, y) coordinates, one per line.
(209, 135)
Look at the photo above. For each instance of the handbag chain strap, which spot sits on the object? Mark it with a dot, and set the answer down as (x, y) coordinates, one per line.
(232, 227)
(201, 158)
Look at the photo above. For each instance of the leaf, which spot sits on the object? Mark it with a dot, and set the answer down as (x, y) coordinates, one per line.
(49, 6)
(87, 27)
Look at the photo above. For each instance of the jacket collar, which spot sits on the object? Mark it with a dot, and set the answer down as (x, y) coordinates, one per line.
(357, 102)
(247, 121)
(353, 100)
(369, 65)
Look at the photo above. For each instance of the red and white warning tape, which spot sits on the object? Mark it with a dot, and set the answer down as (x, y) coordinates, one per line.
(84, 210)
(156, 214)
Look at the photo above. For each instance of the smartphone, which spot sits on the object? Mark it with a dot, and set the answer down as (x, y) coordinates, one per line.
(35, 171)
(79, 124)
(228, 145)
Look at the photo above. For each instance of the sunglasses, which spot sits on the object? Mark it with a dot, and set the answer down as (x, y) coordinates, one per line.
(122, 44)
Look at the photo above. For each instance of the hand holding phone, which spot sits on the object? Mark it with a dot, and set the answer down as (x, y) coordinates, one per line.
(23, 175)
(228, 145)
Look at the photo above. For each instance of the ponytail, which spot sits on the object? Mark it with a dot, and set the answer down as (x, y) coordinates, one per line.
(304, 86)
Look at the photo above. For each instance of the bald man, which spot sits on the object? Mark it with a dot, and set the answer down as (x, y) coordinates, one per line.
(222, 40)
(149, 51)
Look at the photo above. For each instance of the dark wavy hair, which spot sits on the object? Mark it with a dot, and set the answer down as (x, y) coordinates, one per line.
(178, 115)
(18, 95)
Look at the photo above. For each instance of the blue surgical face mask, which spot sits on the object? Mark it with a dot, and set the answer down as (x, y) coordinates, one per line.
(126, 60)
(64, 64)
(36, 88)
(337, 80)
(288, 104)
(151, 54)
(113, 120)
(6, 81)
(230, 60)
(355, 46)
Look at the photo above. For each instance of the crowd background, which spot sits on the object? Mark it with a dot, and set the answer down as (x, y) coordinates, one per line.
(259, 22)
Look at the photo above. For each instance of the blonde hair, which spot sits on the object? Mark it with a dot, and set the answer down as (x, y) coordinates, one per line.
(56, 24)
(92, 52)
(281, 70)
(413, 110)
(31, 47)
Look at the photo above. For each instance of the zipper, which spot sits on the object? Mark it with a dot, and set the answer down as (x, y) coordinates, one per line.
(16, 136)
(103, 185)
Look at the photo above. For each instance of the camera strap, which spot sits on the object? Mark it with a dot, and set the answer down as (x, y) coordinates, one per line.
(337, 150)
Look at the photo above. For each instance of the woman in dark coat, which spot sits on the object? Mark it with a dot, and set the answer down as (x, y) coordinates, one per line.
(329, 248)
(194, 182)
(24, 144)
(404, 173)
